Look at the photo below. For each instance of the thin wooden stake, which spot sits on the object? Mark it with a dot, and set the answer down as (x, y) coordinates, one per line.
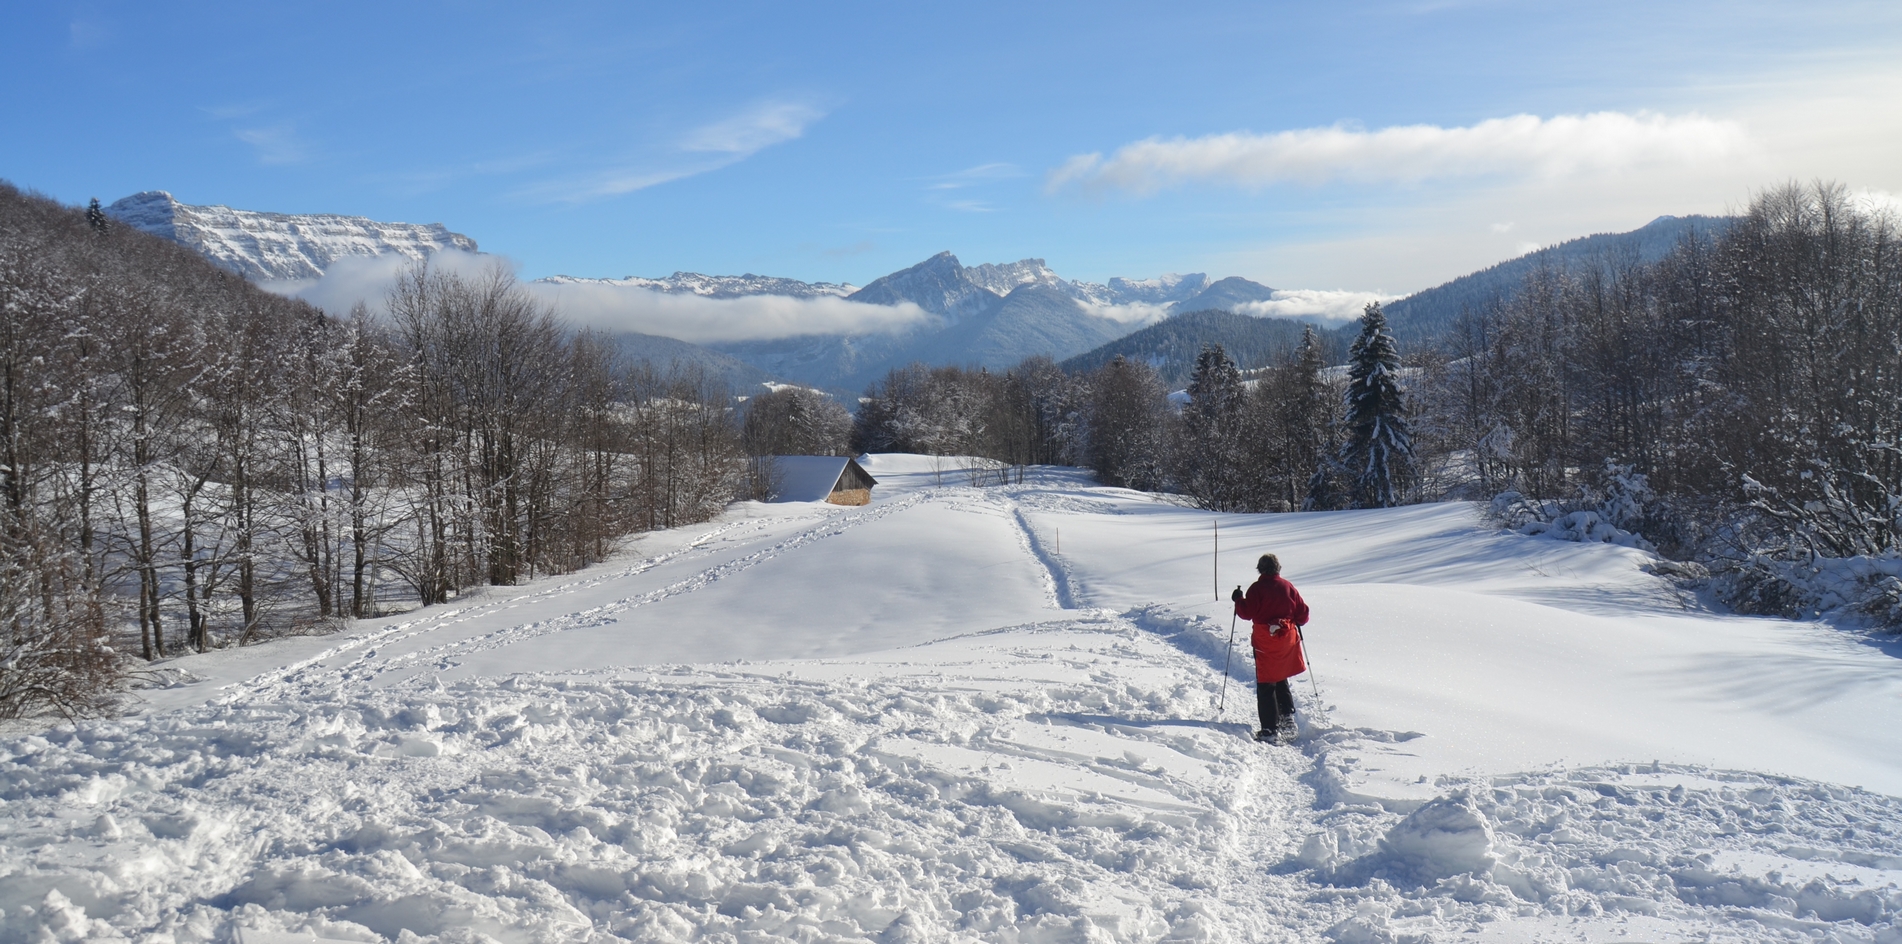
(1215, 562)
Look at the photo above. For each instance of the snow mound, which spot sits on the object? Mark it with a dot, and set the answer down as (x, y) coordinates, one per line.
(1444, 838)
(1585, 526)
(1854, 590)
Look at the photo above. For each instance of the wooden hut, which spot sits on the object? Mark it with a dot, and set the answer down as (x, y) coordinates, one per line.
(836, 479)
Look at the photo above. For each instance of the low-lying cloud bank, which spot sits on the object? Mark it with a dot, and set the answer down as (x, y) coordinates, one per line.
(1521, 145)
(701, 320)
(1321, 304)
(619, 308)
(696, 318)
(1133, 314)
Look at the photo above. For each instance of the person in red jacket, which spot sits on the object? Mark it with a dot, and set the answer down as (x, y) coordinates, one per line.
(1278, 612)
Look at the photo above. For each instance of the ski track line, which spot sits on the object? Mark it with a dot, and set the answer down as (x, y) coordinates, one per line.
(363, 669)
(431, 621)
(1055, 578)
(1271, 801)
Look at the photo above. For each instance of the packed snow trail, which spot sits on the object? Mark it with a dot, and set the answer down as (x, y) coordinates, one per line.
(943, 727)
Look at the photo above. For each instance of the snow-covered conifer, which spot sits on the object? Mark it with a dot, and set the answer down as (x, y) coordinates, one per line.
(1211, 464)
(1377, 457)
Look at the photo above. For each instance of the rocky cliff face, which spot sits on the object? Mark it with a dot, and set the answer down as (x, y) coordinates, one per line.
(266, 247)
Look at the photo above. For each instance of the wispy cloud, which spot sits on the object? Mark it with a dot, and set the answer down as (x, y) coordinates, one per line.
(89, 32)
(972, 176)
(970, 206)
(761, 126)
(945, 190)
(706, 148)
(233, 110)
(275, 144)
(859, 248)
(429, 179)
(1518, 146)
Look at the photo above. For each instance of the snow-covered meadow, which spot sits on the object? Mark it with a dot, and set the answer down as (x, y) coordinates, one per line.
(991, 714)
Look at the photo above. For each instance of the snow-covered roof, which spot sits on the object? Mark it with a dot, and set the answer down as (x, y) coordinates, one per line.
(808, 478)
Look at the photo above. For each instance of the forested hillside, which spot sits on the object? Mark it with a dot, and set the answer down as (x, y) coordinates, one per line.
(1172, 345)
(201, 462)
(1427, 317)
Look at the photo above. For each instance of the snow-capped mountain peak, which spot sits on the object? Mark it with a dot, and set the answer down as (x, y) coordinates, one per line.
(940, 285)
(1005, 278)
(1165, 288)
(267, 247)
(716, 286)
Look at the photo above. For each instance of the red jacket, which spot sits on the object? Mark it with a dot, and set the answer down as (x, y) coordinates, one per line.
(1277, 650)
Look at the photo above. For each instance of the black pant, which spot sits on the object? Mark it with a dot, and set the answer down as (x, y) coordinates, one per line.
(1276, 701)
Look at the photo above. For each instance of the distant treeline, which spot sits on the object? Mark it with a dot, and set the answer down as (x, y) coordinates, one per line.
(1281, 438)
(183, 453)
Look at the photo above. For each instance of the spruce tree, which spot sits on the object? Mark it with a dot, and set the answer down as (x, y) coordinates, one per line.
(1310, 428)
(1377, 458)
(1210, 465)
(96, 215)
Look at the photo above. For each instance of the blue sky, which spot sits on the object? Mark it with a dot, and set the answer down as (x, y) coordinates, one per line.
(1380, 146)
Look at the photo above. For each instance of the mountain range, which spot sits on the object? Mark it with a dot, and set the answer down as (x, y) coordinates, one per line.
(715, 286)
(989, 315)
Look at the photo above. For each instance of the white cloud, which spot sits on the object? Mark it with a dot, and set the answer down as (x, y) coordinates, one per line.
(695, 318)
(366, 279)
(702, 320)
(1323, 304)
(1519, 146)
(1138, 314)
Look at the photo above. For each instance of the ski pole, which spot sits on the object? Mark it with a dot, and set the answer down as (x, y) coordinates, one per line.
(1227, 654)
(1302, 638)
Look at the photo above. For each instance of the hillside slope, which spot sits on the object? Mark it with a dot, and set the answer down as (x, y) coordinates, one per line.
(1172, 345)
(1011, 725)
(1426, 316)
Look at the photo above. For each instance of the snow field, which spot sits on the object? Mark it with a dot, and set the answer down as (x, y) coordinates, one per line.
(1026, 785)
(984, 715)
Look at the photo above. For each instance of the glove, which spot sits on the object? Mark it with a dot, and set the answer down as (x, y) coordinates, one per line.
(1237, 595)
